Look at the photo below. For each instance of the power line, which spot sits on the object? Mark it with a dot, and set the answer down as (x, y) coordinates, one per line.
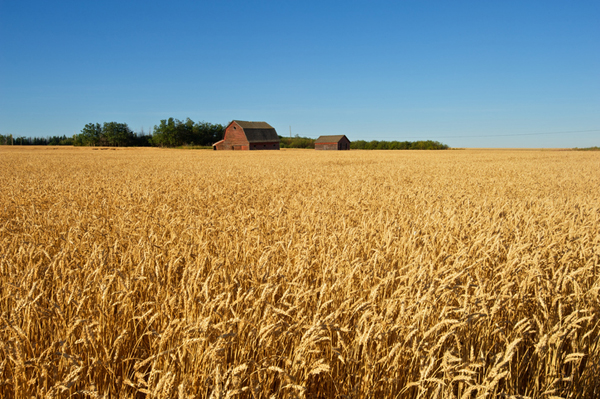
(513, 135)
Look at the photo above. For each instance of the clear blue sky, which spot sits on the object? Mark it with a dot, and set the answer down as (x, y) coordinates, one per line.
(385, 70)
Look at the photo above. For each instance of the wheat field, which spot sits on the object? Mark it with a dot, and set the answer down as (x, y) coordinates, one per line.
(132, 273)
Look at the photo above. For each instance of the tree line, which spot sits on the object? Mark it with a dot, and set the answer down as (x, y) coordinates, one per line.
(170, 132)
(111, 134)
(306, 142)
(176, 133)
(296, 142)
(397, 145)
(22, 140)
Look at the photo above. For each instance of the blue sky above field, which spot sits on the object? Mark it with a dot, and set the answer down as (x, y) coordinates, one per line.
(467, 73)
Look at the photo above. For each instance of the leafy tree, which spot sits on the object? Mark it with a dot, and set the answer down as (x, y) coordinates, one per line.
(207, 134)
(91, 134)
(108, 134)
(296, 142)
(174, 133)
(164, 134)
(117, 134)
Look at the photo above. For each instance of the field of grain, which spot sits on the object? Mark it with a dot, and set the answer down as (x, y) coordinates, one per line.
(155, 273)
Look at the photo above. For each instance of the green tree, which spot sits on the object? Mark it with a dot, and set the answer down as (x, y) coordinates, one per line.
(90, 135)
(165, 134)
(117, 134)
(296, 142)
(173, 133)
(207, 134)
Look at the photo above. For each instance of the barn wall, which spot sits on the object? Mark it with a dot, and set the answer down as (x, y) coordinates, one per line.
(235, 139)
(264, 146)
(344, 144)
(326, 146)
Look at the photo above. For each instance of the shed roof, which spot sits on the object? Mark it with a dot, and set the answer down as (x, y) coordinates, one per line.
(258, 132)
(330, 139)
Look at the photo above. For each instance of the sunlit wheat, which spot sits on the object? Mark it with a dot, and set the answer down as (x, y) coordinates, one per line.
(194, 274)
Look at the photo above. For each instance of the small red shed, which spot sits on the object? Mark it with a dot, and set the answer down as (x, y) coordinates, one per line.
(339, 142)
(244, 135)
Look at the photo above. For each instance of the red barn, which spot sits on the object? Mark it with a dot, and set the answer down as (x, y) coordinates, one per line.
(243, 135)
(339, 142)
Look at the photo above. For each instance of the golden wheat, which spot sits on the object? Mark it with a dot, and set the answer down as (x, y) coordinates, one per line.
(196, 274)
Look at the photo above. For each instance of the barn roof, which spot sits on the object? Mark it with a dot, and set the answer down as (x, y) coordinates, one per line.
(330, 139)
(258, 132)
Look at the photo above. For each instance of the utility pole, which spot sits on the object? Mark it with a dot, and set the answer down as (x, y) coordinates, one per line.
(290, 131)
